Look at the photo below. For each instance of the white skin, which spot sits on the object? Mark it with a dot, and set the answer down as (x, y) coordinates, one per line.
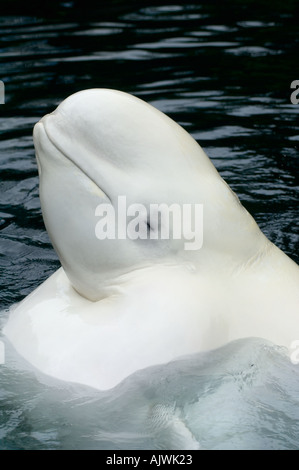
(117, 306)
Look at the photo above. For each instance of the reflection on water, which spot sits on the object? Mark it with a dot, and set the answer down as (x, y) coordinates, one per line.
(242, 396)
(221, 69)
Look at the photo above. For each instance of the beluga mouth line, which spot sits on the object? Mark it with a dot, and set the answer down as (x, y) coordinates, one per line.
(65, 154)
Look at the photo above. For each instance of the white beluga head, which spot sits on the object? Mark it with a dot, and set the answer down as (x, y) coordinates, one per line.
(107, 147)
(119, 305)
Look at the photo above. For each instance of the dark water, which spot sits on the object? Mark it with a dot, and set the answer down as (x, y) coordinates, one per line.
(222, 70)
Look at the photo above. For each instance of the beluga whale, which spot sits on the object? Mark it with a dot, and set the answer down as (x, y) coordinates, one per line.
(112, 169)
